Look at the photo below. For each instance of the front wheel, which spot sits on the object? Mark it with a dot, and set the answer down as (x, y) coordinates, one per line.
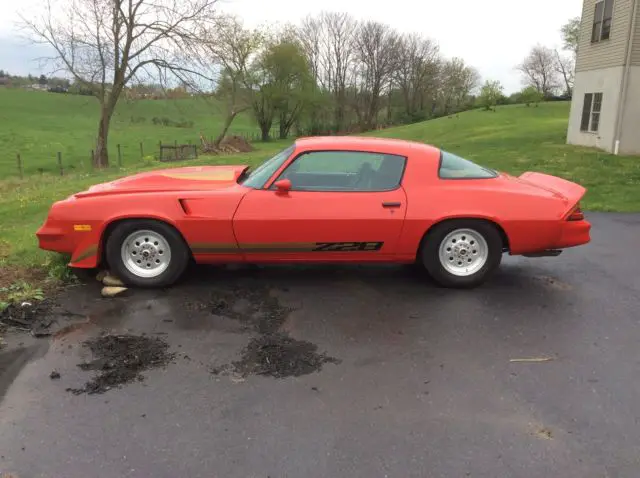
(462, 253)
(146, 253)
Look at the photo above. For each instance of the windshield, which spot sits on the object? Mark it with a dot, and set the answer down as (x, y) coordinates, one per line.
(259, 176)
(455, 167)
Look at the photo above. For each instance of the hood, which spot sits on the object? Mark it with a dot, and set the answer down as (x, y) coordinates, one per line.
(174, 179)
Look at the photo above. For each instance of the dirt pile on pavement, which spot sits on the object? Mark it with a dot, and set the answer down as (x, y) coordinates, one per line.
(272, 353)
(278, 355)
(119, 359)
(35, 317)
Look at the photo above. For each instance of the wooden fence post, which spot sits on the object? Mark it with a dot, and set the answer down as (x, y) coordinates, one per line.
(141, 151)
(20, 166)
(60, 163)
(91, 159)
(119, 156)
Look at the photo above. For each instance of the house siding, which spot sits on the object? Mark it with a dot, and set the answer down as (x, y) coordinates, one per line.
(606, 81)
(607, 53)
(629, 137)
(635, 51)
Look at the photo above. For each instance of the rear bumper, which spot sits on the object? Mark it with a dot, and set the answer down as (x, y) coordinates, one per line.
(573, 233)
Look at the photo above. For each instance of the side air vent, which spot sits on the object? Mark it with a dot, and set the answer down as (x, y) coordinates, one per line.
(184, 206)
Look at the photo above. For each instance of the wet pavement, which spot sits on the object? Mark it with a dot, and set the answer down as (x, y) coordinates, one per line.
(426, 382)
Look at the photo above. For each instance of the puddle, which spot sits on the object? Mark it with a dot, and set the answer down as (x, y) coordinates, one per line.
(250, 304)
(12, 362)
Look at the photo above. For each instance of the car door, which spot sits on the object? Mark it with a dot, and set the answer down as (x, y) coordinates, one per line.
(342, 205)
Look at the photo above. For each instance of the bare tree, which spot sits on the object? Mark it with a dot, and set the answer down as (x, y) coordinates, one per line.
(565, 67)
(457, 81)
(105, 44)
(225, 53)
(539, 70)
(310, 35)
(327, 41)
(376, 51)
(416, 70)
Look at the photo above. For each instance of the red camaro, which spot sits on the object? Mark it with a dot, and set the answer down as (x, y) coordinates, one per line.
(332, 199)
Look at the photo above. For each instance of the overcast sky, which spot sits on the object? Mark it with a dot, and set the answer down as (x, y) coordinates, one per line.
(492, 35)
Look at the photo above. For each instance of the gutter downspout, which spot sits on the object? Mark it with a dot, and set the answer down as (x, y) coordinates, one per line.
(622, 97)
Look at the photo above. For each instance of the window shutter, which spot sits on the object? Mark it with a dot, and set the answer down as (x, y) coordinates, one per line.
(586, 112)
(597, 21)
(606, 19)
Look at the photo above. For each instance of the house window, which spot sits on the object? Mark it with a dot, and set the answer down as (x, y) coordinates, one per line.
(591, 112)
(602, 21)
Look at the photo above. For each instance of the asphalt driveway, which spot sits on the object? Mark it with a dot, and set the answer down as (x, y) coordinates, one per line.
(425, 383)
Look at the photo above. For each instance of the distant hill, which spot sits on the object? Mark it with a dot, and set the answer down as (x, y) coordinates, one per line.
(518, 138)
(38, 124)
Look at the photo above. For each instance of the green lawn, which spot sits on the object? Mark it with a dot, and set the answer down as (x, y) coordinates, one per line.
(513, 139)
(516, 139)
(39, 124)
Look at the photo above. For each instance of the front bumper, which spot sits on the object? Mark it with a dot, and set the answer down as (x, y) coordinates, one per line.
(80, 241)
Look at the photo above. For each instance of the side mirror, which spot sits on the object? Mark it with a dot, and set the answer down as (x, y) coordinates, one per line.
(283, 185)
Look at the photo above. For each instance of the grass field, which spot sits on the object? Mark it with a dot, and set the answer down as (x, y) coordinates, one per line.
(513, 139)
(516, 139)
(39, 124)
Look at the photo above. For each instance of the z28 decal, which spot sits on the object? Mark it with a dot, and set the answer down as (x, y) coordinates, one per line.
(348, 246)
(213, 248)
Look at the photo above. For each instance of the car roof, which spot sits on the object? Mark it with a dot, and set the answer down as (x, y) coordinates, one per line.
(366, 143)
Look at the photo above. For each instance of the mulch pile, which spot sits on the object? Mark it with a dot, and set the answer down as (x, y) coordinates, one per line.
(119, 359)
(279, 355)
(237, 144)
(35, 317)
(230, 144)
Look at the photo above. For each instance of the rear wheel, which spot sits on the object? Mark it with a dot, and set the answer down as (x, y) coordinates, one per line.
(462, 252)
(146, 253)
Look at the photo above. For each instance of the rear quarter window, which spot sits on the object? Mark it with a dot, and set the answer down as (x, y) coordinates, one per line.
(454, 167)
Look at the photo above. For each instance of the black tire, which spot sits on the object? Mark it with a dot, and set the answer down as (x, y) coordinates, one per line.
(180, 255)
(430, 252)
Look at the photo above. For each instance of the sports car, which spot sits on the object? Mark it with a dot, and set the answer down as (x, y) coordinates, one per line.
(322, 200)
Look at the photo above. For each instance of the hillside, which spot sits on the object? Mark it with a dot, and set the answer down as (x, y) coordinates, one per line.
(39, 124)
(518, 138)
(513, 139)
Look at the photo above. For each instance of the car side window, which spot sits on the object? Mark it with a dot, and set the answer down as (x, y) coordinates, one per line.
(345, 171)
(455, 167)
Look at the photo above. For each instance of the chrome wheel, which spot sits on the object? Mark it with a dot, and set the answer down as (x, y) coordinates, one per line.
(146, 253)
(463, 252)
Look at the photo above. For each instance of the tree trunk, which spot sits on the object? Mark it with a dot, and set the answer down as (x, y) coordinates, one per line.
(283, 130)
(225, 128)
(101, 155)
(264, 129)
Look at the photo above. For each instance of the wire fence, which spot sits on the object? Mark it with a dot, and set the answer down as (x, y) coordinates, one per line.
(29, 163)
(26, 164)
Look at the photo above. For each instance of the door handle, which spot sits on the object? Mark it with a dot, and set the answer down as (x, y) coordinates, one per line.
(391, 204)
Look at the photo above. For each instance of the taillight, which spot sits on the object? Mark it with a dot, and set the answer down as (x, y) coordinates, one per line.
(576, 214)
